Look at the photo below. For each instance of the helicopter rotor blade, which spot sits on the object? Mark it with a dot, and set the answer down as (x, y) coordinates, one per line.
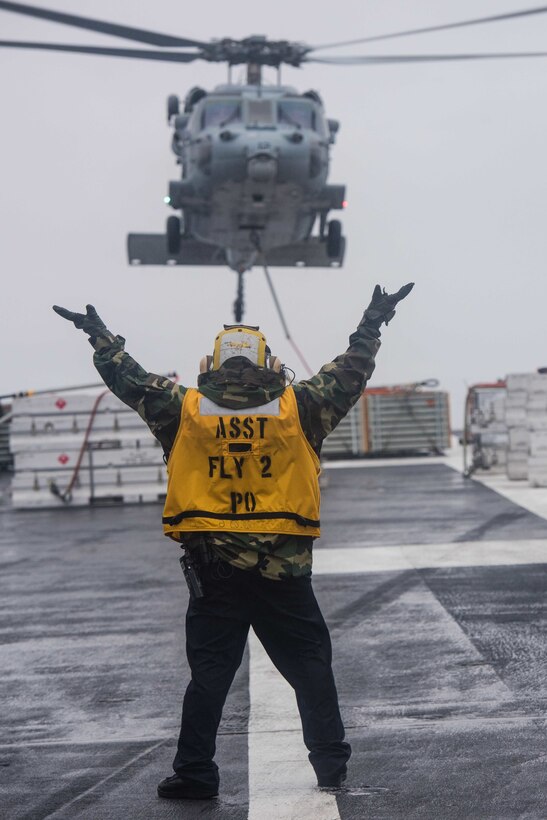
(127, 32)
(419, 58)
(496, 18)
(134, 53)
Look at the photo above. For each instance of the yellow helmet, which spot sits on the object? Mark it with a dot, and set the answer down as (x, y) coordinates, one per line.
(240, 340)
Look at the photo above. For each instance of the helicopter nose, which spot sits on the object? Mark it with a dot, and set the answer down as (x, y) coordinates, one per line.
(262, 168)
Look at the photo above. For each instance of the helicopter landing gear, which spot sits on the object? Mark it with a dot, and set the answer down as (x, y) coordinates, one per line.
(239, 304)
(173, 106)
(334, 239)
(173, 235)
(322, 225)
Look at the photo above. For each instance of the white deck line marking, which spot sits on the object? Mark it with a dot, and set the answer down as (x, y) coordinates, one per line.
(281, 781)
(423, 556)
(282, 784)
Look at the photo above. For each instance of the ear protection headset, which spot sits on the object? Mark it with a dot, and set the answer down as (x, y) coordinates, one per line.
(240, 340)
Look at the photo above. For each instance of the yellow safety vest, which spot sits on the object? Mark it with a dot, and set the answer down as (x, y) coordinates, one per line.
(251, 470)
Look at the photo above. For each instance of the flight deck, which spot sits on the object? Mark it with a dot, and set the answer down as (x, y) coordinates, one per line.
(434, 589)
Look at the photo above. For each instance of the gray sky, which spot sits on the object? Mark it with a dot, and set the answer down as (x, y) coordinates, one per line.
(445, 168)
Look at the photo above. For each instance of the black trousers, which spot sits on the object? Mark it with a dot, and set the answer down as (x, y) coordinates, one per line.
(287, 620)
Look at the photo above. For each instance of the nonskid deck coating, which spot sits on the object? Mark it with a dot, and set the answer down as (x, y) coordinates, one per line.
(440, 669)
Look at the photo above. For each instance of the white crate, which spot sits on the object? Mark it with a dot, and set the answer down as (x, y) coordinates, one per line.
(517, 399)
(526, 418)
(537, 421)
(104, 495)
(538, 443)
(65, 404)
(537, 384)
(51, 424)
(516, 416)
(517, 381)
(121, 462)
(537, 471)
(517, 466)
(39, 481)
(537, 403)
(519, 439)
(61, 458)
(108, 439)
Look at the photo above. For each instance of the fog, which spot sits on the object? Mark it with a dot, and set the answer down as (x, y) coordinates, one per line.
(446, 183)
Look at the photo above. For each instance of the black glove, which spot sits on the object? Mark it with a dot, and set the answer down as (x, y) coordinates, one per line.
(382, 306)
(91, 323)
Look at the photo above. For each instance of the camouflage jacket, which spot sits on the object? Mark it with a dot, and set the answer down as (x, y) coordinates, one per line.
(323, 400)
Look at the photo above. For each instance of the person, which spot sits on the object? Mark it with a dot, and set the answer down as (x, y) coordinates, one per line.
(243, 500)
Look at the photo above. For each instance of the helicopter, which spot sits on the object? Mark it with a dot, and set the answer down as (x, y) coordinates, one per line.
(254, 168)
(254, 157)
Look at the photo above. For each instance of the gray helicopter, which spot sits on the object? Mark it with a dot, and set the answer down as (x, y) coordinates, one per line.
(254, 180)
(254, 157)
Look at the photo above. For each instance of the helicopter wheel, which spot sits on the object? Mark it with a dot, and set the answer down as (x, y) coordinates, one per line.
(173, 235)
(173, 106)
(334, 239)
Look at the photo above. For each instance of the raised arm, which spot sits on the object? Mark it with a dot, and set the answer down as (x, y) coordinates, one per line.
(324, 399)
(157, 399)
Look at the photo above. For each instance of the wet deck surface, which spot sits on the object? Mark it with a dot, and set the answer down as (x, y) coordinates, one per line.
(441, 670)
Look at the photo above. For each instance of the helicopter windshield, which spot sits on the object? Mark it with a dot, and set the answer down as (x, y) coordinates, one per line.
(298, 113)
(260, 114)
(221, 112)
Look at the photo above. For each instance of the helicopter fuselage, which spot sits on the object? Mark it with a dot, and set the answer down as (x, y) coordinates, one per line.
(255, 162)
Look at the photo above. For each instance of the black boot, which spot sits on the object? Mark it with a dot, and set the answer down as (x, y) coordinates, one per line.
(332, 781)
(178, 788)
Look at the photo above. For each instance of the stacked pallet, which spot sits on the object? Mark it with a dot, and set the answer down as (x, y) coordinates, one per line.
(517, 424)
(526, 415)
(393, 421)
(347, 438)
(80, 449)
(536, 409)
(401, 420)
(6, 461)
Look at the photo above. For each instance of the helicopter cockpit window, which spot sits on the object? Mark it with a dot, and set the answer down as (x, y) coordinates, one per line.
(260, 114)
(221, 113)
(297, 113)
